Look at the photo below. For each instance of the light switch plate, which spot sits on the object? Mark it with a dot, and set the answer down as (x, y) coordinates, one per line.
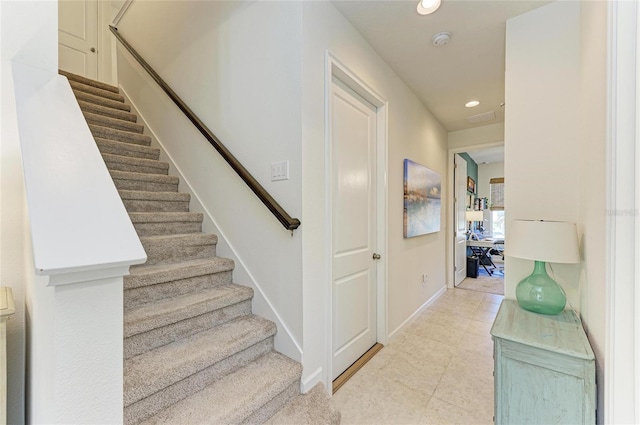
(279, 171)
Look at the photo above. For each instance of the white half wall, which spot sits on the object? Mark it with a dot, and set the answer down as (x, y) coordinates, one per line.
(28, 34)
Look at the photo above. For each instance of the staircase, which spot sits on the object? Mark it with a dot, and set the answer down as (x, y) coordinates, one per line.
(193, 351)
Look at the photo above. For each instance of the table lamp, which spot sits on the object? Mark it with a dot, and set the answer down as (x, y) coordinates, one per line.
(474, 215)
(542, 242)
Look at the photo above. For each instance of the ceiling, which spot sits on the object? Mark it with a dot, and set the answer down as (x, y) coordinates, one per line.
(487, 155)
(470, 66)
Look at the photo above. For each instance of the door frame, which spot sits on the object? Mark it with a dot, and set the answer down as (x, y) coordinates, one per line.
(451, 244)
(336, 68)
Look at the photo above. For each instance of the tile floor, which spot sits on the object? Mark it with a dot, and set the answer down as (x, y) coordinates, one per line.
(437, 370)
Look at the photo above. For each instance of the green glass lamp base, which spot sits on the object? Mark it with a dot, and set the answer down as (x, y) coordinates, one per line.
(539, 293)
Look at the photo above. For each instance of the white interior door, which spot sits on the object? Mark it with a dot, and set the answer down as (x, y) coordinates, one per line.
(460, 231)
(78, 37)
(353, 146)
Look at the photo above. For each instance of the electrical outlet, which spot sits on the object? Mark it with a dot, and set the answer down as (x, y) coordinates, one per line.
(424, 280)
(279, 171)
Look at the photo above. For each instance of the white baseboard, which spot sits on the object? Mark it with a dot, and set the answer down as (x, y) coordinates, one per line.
(311, 381)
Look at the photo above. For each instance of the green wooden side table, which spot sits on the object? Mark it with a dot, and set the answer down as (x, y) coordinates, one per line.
(544, 368)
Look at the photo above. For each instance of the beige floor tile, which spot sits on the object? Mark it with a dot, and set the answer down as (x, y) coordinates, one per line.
(447, 334)
(440, 412)
(436, 370)
(470, 392)
(474, 343)
(493, 298)
(484, 316)
(479, 328)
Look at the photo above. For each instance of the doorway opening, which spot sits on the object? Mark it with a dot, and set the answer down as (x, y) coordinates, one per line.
(479, 219)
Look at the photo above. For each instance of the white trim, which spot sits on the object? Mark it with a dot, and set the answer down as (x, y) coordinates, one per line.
(311, 381)
(335, 67)
(622, 363)
(121, 12)
(418, 311)
(293, 348)
(450, 243)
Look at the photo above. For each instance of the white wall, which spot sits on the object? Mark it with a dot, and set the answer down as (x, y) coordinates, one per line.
(412, 133)
(483, 135)
(28, 35)
(541, 127)
(592, 188)
(555, 143)
(237, 65)
(255, 73)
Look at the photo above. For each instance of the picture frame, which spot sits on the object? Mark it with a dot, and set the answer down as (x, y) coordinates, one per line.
(471, 185)
(422, 193)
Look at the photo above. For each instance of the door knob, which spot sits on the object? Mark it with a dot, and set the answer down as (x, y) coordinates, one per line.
(376, 256)
(93, 49)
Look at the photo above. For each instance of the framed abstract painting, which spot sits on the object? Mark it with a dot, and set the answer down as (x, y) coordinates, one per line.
(422, 192)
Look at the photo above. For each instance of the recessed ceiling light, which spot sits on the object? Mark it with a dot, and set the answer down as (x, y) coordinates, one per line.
(472, 103)
(426, 7)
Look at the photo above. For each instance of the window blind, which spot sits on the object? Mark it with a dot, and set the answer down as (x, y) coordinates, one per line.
(497, 194)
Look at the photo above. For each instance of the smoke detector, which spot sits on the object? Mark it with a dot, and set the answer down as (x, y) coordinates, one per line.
(441, 38)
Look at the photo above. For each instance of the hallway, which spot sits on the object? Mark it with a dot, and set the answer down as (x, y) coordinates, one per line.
(437, 370)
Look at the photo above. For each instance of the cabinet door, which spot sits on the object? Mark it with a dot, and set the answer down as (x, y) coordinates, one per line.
(540, 387)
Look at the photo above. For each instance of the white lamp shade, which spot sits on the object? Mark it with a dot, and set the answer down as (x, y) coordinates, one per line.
(549, 241)
(474, 216)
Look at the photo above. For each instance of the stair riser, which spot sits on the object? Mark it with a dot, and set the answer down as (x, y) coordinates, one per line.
(146, 341)
(156, 229)
(142, 205)
(93, 108)
(145, 186)
(97, 100)
(96, 91)
(79, 78)
(120, 136)
(126, 149)
(119, 166)
(97, 119)
(158, 253)
(261, 415)
(151, 405)
(145, 294)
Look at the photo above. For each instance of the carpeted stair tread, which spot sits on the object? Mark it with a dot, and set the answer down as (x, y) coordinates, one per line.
(96, 91)
(127, 149)
(237, 396)
(168, 311)
(111, 122)
(155, 196)
(147, 201)
(107, 103)
(84, 80)
(142, 275)
(164, 217)
(126, 180)
(166, 223)
(167, 249)
(154, 370)
(119, 135)
(312, 408)
(135, 165)
(108, 112)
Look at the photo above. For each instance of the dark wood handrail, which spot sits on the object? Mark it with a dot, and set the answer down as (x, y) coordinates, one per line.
(287, 221)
